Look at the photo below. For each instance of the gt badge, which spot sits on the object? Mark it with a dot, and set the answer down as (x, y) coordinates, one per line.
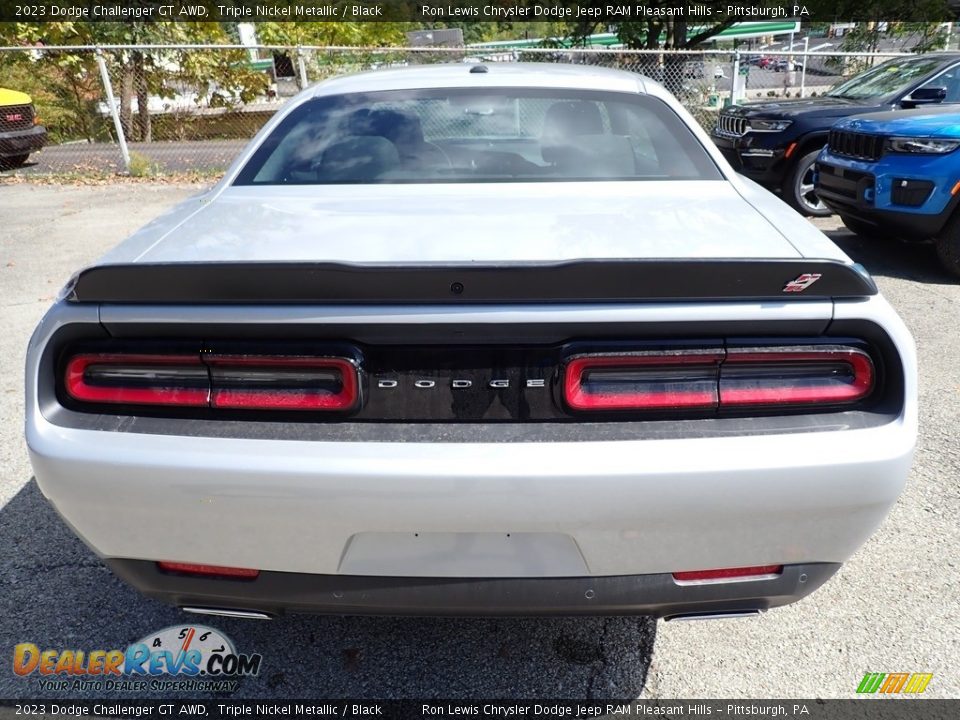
(801, 282)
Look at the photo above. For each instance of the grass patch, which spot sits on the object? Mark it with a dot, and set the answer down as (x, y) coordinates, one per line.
(99, 176)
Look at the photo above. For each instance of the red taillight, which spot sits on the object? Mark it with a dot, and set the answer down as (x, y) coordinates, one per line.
(180, 380)
(758, 572)
(251, 382)
(283, 383)
(718, 379)
(642, 381)
(794, 376)
(218, 571)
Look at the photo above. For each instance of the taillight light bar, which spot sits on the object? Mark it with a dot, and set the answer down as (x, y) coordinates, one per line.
(699, 379)
(180, 380)
(723, 575)
(246, 382)
(282, 383)
(792, 376)
(642, 381)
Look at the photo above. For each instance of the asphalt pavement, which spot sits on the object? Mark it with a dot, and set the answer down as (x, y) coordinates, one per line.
(894, 607)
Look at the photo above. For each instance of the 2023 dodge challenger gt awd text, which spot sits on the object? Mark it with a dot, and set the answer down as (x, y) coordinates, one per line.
(466, 339)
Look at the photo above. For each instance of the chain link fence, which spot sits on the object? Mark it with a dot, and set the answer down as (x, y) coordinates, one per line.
(173, 109)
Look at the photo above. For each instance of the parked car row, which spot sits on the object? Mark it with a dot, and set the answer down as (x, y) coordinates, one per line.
(765, 62)
(21, 131)
(872, 150)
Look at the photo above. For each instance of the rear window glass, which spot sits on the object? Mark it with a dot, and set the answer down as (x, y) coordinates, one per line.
(489, 135)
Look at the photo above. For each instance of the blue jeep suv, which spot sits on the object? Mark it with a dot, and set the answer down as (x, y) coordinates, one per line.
(775, 142)
(897, 174)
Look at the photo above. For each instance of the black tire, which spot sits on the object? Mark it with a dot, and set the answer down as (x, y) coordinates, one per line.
(798, 190)
(948, 246)
(866, 230)
(14, 161)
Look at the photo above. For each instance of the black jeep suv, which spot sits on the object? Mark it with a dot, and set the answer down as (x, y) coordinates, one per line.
(776, 142)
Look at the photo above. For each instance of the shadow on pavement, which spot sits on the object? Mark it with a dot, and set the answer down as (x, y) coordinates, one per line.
(58, 595)
(893, 258)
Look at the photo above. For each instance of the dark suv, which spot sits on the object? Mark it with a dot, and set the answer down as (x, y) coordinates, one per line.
(776, 142)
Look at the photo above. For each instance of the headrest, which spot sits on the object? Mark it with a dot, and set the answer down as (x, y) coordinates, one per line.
(566, 119)
(400, 128)
(357, 159)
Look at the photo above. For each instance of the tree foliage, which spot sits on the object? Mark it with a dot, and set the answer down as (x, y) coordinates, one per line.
(71, 80)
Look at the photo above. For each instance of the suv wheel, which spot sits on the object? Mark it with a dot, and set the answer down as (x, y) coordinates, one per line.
(798, 188)
(948, 245)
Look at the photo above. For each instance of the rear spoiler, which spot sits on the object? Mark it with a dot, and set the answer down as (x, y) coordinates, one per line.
(628, 280)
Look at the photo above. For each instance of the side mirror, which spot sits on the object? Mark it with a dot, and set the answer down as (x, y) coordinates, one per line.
(925, 96)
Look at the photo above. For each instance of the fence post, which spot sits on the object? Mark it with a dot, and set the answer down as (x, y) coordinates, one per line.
(803, 68)
(302, 68)
(112, 103)
(736, 78)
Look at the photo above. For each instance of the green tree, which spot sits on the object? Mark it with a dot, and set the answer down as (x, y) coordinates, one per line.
(215, 78)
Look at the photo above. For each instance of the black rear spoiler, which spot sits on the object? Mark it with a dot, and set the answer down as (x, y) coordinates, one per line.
(627, 280)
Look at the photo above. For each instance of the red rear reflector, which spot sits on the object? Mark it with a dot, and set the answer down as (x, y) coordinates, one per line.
(642, 381)
(731, 574)
(209, 570)
(283, 383)
(791, 376)
(138, 379)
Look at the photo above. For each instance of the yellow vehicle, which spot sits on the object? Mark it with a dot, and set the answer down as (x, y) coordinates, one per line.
(20, 130)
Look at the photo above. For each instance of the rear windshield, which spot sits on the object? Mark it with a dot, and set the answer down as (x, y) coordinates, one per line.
(488, 135)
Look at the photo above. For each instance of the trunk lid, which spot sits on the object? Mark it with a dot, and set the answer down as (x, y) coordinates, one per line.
(480, 223)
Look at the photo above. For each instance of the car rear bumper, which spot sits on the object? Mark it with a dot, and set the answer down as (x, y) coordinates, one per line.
(274, 593)
(510, 509)
(22, 142)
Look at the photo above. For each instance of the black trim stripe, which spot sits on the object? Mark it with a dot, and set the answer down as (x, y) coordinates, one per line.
(626, 280)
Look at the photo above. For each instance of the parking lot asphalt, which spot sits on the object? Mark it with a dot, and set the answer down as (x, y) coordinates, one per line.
(893, 608)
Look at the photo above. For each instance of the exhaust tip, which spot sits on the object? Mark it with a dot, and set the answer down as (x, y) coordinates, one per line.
(727, 615)
(223, 612)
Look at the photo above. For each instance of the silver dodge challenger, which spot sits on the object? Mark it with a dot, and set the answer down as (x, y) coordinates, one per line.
(474, 340)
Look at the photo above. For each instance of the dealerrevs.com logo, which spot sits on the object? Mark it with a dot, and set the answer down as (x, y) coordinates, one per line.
(181, 657)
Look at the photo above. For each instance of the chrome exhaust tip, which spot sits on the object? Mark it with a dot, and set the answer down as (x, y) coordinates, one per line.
(222, 612)
(715, 615)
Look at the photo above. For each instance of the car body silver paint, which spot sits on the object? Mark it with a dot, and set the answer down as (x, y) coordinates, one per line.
(629, 507)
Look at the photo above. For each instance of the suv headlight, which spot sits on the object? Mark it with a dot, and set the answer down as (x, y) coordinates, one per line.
(769, 125)
(923, 145)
